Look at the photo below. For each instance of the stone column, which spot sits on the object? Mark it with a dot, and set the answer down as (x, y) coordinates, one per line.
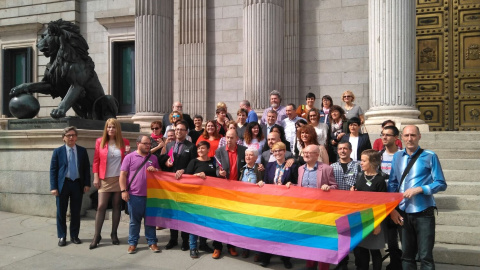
(391, 28)
(153, 60)
(291, 48)
(263, 36)
(192, 56)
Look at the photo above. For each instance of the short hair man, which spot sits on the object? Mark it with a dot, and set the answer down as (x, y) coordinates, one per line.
(69, 179)
(241, 122)
(417, 207)
(178, 155)
(198, 130)
(275, 100)
(288, 125)
(134, 191)
(251, 114)
(271, 120)
(378, 143)
(389, 136)
(231, 159)
(177, 106)
(345, 171)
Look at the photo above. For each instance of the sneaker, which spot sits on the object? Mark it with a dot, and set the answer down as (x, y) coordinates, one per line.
(216, 253)
(233, 252)
(132, 249)
(193, 253)
(154, 248)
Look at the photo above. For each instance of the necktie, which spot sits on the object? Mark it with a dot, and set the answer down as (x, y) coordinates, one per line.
(177, 147)
(72, 165)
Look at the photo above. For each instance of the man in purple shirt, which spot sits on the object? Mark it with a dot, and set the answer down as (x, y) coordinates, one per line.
(134, 191)
(275, 100)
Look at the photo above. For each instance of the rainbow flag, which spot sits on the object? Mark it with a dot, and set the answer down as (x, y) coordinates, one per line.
(303, 223)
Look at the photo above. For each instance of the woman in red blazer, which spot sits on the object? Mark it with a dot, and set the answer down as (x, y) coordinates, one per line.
(110, 150)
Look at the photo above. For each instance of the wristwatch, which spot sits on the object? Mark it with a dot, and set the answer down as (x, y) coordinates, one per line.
(124, 190)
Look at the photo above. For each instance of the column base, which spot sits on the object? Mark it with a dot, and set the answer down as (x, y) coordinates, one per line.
(144, 120)
(402, 116)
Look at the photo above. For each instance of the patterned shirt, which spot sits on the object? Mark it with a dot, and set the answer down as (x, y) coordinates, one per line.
(425, 173)
(346, 180)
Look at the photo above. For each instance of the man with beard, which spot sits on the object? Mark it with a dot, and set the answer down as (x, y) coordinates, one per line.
(275, 100)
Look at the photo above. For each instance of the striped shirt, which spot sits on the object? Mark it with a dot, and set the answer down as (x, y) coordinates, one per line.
(425, 173)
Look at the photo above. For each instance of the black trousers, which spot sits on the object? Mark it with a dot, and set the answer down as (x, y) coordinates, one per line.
(174, 236)
(72, 191)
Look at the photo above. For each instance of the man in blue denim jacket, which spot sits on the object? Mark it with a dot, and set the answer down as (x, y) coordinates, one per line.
(416, 211)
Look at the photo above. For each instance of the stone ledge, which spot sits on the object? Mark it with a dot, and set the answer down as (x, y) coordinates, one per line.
(15, 29)
(116, 18)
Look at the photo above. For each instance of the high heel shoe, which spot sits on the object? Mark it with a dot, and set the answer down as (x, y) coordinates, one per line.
(115, 240)
(95, 241)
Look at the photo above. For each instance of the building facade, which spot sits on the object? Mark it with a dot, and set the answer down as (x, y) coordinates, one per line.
(149, 53)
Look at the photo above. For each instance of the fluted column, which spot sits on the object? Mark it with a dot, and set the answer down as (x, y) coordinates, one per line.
(391, 28)
(153, 60)
(192, 56)
(291, 48)
(263, 37)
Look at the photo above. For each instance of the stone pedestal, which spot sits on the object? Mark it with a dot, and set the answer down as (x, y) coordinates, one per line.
(153, 60)
(263, 37)
(391, 27)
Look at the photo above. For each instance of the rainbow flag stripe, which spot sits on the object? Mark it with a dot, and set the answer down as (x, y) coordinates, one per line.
(304, 223)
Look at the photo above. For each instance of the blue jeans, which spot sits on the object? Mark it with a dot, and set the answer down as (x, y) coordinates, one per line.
(418, 235)
(193, 241)
(137, 206)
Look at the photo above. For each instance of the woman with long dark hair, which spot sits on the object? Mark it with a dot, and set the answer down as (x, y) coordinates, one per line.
(253, 137)
(210, 134)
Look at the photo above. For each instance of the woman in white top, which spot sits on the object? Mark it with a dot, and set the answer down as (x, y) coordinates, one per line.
(320, 128)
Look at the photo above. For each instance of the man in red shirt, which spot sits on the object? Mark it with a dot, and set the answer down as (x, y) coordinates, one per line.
(230, 159)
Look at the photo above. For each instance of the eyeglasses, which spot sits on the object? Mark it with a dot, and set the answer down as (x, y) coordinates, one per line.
(176, 116)
(70, 135)
(388, 135)
(180, 129)
(278, 151)
(313, 115)
(155, 128)
(346, 96)
(145, 143)
(310, 153)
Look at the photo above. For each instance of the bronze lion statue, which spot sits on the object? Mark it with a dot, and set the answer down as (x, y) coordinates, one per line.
(70, 74)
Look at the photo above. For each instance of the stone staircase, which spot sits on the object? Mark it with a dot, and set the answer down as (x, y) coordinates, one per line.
(458, 220)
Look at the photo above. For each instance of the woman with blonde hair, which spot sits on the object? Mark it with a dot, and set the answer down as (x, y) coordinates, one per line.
(173, 117)
(352, 110)
(110, 150)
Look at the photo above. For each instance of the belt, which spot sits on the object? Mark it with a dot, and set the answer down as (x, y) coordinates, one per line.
(66, 178)
(429, 212)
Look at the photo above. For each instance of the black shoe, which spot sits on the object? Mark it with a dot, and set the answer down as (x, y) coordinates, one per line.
(171, 244)
(114, 238)
(76, 240)
(265, 263)
(95, 242)
(287, 264)
(193, 253)
(62, 242)
(185, 246)
(205, 248)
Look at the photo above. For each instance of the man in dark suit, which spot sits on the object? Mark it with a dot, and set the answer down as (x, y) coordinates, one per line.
(177, 106)
(178, 155)
(271, 120)
(231, 158)
(69, 179)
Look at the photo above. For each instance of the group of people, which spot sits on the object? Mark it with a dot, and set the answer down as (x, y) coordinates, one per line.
(304, 146)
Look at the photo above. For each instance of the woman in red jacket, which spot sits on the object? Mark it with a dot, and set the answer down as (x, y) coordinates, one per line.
(110, 150)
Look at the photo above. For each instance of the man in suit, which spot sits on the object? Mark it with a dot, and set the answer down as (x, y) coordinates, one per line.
(69, 179)
(231, 158)
(177, 106)
(178, 155)
(271, 120)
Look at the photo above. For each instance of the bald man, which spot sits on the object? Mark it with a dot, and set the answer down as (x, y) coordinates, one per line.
(177, 106)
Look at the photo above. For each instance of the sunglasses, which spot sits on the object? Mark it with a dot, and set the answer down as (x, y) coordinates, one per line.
(155, 128)
(346, 96)
(176, 116)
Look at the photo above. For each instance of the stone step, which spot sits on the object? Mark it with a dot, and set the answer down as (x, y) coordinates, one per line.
(445, 137)
(461, 235)
(461, 175)
(460, 164)
(456, 154)
(458, 202)
(469, 218)
(462, 188)
(456, 254)
(460, 145)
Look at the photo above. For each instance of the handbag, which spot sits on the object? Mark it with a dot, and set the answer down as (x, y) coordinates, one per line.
(133, 178)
